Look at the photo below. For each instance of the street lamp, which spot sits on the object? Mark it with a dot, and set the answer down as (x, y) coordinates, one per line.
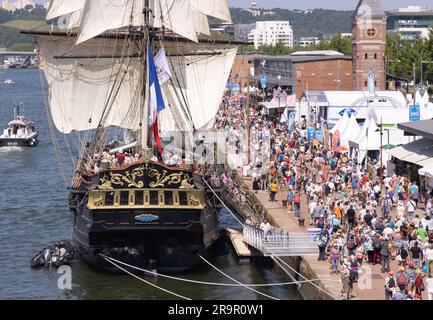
(380, 129)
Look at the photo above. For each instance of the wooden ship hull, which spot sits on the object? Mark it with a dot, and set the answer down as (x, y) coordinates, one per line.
(147, 215)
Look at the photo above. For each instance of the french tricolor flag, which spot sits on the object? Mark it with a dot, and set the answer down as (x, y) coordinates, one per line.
(156, 102)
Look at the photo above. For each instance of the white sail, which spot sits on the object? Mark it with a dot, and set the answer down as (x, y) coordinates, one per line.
(214, 8)
(202, 82)
(177, 16)
(81, 88)
(201, 22)
(59, 8)
(103, 15)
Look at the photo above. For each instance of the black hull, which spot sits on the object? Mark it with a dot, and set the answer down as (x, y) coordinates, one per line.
(170, 245)
(18, 143)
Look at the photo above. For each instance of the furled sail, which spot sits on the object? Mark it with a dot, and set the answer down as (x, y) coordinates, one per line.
(202, 79)
(59, 8)
(82, 91)
(103, 15)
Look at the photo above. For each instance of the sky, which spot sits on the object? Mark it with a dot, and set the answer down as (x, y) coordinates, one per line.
(327, 4)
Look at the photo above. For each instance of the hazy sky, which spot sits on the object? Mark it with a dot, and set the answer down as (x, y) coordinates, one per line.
(327, 4)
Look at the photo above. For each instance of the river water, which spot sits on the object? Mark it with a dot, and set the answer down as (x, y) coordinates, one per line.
(34, 213)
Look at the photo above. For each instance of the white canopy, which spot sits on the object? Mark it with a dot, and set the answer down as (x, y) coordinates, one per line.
(426, 171)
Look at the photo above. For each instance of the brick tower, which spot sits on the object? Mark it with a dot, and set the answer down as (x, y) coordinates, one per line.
(368, 44)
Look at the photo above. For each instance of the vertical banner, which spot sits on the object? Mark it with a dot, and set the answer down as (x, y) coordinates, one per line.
(311, 132)
(335, 140)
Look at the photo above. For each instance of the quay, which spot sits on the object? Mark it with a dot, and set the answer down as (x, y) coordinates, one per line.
(370, 287)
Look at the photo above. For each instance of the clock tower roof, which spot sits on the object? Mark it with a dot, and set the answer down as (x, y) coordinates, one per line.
(369, 9)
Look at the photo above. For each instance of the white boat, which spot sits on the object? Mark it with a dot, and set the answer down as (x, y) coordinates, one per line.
(20, 132)
(8, 81)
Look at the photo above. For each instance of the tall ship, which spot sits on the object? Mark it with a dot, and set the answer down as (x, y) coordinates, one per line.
(136, 199)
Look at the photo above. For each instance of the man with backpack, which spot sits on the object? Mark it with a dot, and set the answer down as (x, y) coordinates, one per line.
(322, 243)
(385, 252)
(347, 284)
(386, 206)
(389, 285)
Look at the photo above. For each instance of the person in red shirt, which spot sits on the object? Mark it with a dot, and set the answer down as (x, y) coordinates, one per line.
(120, 158)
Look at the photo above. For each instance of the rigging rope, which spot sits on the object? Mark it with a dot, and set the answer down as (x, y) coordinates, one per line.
(313, 284)
(52, 132)
(243, 285)
(147, 282)
(222, 202)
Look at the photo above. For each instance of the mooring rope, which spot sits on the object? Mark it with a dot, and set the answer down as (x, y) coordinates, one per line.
(243, 285)
(222, 202)
(209, 283)
(147, 282)
(313, 284)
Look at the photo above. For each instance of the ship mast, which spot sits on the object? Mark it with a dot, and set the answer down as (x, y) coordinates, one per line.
(144, 124)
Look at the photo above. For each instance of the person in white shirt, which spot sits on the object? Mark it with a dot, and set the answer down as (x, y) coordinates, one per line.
(429, 286)
(429, 259)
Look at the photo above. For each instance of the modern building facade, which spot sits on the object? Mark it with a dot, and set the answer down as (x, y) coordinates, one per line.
(411, 23)
(242, 31)
(307, 41)
(368, 43)
(271, 33)
(305, 71)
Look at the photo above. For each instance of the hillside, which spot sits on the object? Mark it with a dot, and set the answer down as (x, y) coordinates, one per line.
(318, 22)
(12, 22)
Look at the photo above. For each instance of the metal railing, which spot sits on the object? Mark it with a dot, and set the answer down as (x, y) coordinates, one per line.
(277, 242)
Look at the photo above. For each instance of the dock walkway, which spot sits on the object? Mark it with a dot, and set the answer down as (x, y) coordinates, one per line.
(370, 289)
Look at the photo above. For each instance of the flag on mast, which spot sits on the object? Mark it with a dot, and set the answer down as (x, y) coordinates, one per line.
(156, 101)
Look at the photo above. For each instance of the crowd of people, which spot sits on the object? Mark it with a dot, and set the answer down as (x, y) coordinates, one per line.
(366, 215)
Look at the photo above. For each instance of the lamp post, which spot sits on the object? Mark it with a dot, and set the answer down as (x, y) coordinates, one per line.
(381, 155)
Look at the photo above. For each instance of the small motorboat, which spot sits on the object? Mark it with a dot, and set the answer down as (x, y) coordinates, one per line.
(8, 81)
(20, 132)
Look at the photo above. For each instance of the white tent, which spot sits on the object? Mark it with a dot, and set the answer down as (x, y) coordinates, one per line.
(341, 125)
(351, 131)
(368, 139)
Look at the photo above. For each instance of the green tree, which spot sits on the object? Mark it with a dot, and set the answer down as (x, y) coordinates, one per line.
(21, 46)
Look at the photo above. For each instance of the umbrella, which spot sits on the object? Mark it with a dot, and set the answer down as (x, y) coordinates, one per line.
(388, 147)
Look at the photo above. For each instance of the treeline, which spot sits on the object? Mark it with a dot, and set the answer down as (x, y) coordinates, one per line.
(37, 13)
(319, 22)
(402, 55)
(337, 43)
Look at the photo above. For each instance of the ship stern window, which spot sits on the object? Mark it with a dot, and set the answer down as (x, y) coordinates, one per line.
(168, 195)
(124, 198)
(183, 198)
(109, 198)
(139, 199)
(154, 198)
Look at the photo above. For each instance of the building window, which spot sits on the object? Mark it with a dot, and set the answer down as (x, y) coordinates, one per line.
(375, 56)
(365, 84)
(139, 199)
(366, 56)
